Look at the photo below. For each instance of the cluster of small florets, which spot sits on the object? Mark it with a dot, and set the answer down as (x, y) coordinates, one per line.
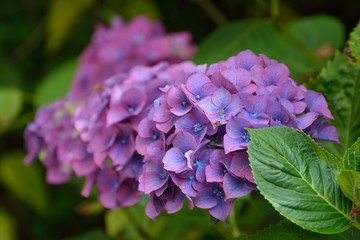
(52, 137)
(174, 132)
(121, 46)
(194, 139)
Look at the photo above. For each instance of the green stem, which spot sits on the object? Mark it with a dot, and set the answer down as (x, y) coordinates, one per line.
(143, 233)
(213, 12)
(235, 230)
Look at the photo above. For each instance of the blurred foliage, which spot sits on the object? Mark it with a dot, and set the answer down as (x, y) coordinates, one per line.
(39, 44)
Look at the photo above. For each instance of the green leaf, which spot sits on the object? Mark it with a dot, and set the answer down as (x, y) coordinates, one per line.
(321, 34)
(352, 157)
(339, 82)
(25, 183)
(56, 83)
(354, 43)
(350, 185)
(7, 226)
(129, 9)
(299, 179)
(62, 17)
(11, 100)
(287, 230)
(259, 36)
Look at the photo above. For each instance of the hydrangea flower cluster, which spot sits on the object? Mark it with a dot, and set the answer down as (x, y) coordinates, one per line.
(52, 136)
(194, 139)
(121, 46)
(174, 132)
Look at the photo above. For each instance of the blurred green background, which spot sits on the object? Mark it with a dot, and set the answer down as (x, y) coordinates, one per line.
(40, 42)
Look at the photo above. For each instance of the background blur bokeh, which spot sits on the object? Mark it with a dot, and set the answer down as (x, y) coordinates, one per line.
(40, 42)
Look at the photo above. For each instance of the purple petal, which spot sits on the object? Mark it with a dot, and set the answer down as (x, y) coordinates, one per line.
(214, 175)
(116, 114)
(317, 103)
(205, 198)
(184, 141)
(234, 187)
(305, 120)
(221, 210)
(175, 161)
(221, 97)
(154, 181)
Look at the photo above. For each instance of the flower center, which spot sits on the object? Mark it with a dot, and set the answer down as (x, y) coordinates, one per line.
(163, 174)
(197, 97)
(246, 137)
(183, 103)
(123, 141)
(218, 193)
(131, 109)
(222, 114)
(197, 127)
(155, 136)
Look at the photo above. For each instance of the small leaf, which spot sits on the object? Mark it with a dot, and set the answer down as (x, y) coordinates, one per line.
(352, 157)
(62, 17)
(339, 82)
(56, 83)
(321, 34)
(287, 230)
(25, 183)
(350, 185)
(11, 100)
(354, 44)
(7, 226)
(299, 179)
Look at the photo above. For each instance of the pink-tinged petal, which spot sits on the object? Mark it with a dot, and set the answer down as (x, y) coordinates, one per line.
(317, 103)
(247, 59)
(127, 195)
(184, 141)
(277, 74)
(221, 210)
(305, 120)
(145, 128)
(221, 97)
(232, 144)
(151, 211)
(234, 106)
(89, 183)
(236, 126)
(180, 110)
(238, 77)
(57, 175)
(195, 82)
(165, 127)
(234, 187)
(142, 144)
(116, 114)
(205, 198)
(328, 133)
(214, 175)
(251, 88)
(108, 199)
(240, 164)
(299, 107)
(121, 153)
(154, 181)
(84, 167)
(175, 161)
(175, 204)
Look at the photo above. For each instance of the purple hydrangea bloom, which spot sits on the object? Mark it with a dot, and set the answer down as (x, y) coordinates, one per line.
(121, 46)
